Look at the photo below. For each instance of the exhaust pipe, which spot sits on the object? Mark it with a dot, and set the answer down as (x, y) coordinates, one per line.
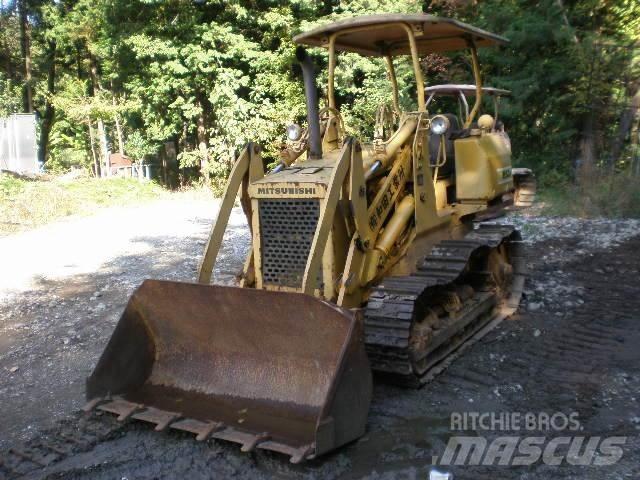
(311, 95)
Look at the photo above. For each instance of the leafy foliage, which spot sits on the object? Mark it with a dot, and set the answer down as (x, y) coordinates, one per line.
(138, 147)
(209, 75)
(10, 101)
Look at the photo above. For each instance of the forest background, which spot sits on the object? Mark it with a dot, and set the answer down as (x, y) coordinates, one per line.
(203, 77)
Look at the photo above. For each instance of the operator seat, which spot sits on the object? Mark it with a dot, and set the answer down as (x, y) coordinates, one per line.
(449, 167)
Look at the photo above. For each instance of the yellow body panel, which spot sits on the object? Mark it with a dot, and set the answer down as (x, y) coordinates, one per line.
(483, 167)
(441, 193)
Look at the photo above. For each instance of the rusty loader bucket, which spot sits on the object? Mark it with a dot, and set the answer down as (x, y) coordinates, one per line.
(271, 370)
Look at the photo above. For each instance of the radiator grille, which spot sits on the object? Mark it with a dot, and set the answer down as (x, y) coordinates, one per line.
(287, 227)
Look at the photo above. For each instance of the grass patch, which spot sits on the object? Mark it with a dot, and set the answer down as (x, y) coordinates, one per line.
(26, 203)
(614, 196)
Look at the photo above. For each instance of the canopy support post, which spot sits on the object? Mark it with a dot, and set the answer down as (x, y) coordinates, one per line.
(478, 79)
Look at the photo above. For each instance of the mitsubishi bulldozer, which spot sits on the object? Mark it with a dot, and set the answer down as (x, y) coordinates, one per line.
(367, 258)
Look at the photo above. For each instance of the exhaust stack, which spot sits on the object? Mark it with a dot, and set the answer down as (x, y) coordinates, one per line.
(311, 95)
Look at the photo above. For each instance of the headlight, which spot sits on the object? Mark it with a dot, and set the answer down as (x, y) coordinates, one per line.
(439, 124)
(294, 132)
(438, 475)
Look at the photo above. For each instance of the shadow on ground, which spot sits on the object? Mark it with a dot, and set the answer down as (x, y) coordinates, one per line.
(579, 356)
(52, 335)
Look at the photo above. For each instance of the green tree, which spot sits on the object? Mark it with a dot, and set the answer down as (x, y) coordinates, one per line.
(138, 147)
(10, 97)
(210, 75)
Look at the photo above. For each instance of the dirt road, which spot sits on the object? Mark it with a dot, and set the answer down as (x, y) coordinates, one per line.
(572, 348)
(63, 288)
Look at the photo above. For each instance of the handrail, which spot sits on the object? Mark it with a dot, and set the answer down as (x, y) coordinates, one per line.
(478, 79)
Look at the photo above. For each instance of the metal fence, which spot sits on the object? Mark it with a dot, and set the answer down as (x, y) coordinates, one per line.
(18, 148)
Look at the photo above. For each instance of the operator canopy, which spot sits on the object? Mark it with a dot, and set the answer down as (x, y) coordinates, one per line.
(380, 35)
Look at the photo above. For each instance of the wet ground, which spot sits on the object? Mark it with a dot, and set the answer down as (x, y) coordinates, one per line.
(571, 349)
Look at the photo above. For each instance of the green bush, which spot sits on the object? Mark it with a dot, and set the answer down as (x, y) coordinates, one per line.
(64, 160)
(30, 203)
(615, 195)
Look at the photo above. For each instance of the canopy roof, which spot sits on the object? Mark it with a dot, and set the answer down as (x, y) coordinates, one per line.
(453, 89)
(379, 35)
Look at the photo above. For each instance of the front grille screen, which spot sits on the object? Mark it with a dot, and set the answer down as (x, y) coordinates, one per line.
(287, 227)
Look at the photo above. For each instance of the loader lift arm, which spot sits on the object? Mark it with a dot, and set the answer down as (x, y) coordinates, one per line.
(248, 168)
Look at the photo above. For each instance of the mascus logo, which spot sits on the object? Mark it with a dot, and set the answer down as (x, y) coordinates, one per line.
(286, 191)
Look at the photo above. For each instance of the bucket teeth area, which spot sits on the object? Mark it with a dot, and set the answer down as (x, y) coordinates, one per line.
(279, 371)
(204, 431)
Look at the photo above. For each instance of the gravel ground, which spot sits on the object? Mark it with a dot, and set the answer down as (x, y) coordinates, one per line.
(63, 288)
(572, 347)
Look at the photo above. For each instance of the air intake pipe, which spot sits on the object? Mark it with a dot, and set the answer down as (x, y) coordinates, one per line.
(311, 95)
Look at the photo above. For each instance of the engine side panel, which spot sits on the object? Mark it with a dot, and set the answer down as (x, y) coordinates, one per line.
(483, 167)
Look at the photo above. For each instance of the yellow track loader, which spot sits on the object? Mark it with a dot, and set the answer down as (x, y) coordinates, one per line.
(365, 258)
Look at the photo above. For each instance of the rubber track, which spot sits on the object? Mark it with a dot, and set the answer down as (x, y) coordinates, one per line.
(395, 303)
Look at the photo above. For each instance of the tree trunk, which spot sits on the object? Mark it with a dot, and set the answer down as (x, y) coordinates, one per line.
(202, 144)
(117, 122)
(119, 133)
(585, 165)
(79, 71)
(93, 71)
(102, 132)
(586, 168)
(626, 123)
(96, 163)
(104, 148)
(635, 147)
(565, 20)
(49, 109)
(185, 146)
(25, 48)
